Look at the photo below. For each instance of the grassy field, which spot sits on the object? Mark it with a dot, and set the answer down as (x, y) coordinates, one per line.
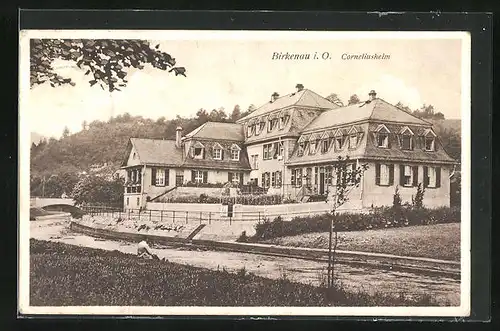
(66, 275)
(440, 241)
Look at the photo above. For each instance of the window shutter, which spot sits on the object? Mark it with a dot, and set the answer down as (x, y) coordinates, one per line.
(222, 154)
(205, 177)
(401, 175)
(167, 177)
(438, 176)
(292, 181)
(415, 175)
(263, 180)
(391, 174)
(191, 151)
(389, 141)
(153, 176)
(426, 176)
(241, 179)
(203, 152)
(377, 174)
(193, 175)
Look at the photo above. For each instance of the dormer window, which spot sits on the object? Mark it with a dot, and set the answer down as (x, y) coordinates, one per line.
(300, 151)
(250, 130)
(383, 140)
(313, 141)
(272, 124)
(353, 140)
(325, 145)
(353, 137)
(259, 126)
(382, 136)
(406, 139)
(283, 119)
(429, 140)
(217, 152)
(235, 153)
(198, 151)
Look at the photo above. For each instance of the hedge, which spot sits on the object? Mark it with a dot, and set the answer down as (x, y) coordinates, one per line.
(378, 218)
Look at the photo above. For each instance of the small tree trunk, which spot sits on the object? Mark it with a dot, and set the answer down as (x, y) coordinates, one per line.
(330, 253)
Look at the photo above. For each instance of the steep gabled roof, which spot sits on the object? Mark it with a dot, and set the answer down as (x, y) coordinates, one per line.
(156, 151)
(303, 98)
(218, 131)
(377, 109)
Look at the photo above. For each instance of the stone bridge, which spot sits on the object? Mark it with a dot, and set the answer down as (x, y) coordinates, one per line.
(46, 202)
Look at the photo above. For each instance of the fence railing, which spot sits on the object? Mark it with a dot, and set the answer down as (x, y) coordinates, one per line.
(194, 216)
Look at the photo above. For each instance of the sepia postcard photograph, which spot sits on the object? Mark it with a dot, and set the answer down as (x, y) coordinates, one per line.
(244, 173)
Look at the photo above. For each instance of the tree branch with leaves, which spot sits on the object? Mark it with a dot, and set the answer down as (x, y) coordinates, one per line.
(104, 60)
(348, 176)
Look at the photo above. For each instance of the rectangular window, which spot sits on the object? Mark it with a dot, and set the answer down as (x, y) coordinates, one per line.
(255, 161)
(308, 176)
(298, 177)
(273, 179)
(160, 177)
(235, 155)
(383, 140)
(199, 176)
(408, 175)
(353, 141)
(312, 148)
(280, 150)
(406, 142)
(278, 179)
(198, 153)
(384, 174)
(266, 179)
(266, 151)
(429, 144)
(217, 154)
(324, 146)
(339, 142)
(300, 152)
(432, 177)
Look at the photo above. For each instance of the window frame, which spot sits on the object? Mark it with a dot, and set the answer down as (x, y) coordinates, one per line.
(197, 179)
(237, 158)
(405, 184)
(219, 150)
(386, 140)
(433, 145)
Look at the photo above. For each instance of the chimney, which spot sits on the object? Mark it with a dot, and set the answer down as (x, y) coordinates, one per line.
(372, 95)
(178, 136)
(299, 87)
(274, 96)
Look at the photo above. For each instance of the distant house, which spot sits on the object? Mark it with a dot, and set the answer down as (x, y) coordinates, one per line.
(288, 146)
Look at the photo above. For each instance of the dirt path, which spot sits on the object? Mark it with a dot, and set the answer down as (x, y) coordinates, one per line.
(444, 290)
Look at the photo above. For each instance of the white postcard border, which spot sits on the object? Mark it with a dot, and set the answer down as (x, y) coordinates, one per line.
(24, 164)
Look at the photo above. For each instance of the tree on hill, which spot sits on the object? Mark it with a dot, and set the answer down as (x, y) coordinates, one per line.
(353, 99)
(104, 60)
(94, 189)
(334, 98)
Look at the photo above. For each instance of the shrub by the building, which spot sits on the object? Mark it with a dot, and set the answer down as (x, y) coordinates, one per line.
(378, 218)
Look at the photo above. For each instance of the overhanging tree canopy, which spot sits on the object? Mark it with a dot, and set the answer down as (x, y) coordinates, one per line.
(105, 60)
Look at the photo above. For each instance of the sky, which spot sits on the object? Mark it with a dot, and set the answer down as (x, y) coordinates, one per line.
(224, 73)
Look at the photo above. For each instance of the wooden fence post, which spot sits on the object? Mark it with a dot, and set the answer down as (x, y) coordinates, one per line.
(210, 218)
(150, 215)
(161, 216)
(173, 216)
(187, 217)
(200, 217)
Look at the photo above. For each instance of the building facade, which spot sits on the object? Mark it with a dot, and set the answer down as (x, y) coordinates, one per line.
(289, 145)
